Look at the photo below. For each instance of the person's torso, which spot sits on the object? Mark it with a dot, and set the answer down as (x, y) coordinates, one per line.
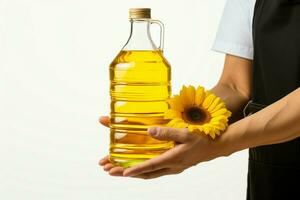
(276, 73)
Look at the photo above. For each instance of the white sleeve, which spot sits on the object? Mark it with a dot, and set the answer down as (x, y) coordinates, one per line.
(234, 35)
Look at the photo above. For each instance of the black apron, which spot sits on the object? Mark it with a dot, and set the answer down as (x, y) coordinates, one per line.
(274, 170)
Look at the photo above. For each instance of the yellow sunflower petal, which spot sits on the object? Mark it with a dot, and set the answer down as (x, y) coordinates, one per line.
(218, 107)
(219, 112)
(183, 96)
(223, 120)
(173, 122)
(200, 95)
(219, 118)
(191, 94)
(207, 93)
(186, 96)
(206, 128)
(192, 128)
(181, 125)
(175, 103)
(218, 132)
(216, 101)
(171, 114)
(220, 126)
(208, 100)
(212, 135)
(200, 128)
(228, 113)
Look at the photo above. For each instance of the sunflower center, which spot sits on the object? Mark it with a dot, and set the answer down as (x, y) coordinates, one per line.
(195, 115)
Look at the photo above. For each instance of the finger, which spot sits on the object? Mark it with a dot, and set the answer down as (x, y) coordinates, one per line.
(162, 161)
(104, 120)
(155, 174)
(108, 167)
(116, 171)
(104, 161)
(169, 134)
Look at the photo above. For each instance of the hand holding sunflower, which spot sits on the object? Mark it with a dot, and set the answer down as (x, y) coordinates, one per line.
(198, 110)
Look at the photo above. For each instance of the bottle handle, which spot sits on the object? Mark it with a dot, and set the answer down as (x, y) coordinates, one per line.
(162, 33)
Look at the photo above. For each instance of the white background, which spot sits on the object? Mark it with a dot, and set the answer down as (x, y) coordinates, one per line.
(54, 58)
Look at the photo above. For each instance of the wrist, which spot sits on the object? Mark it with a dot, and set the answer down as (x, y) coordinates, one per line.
(234, 139)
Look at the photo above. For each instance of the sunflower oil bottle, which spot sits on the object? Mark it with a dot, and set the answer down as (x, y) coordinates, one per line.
(139, 87)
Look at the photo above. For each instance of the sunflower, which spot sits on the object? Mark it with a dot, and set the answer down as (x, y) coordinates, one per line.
(198, 110)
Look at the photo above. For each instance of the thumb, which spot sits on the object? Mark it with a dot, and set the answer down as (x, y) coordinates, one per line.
(169, 134)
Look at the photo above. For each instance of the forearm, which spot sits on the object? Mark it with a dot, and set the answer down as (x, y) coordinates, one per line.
(233, 99)
(276, 123)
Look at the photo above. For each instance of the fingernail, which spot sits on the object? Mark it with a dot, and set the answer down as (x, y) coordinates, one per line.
(152, 131)
(126, 174)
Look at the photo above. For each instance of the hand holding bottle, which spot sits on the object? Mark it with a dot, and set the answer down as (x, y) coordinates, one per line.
(190, 149)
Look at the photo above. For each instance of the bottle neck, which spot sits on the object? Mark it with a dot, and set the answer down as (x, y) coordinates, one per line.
(140, 37)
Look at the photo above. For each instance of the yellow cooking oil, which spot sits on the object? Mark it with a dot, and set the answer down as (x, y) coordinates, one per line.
(139, 88)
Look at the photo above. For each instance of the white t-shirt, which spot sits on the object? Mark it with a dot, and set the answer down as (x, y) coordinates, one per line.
(234, 35)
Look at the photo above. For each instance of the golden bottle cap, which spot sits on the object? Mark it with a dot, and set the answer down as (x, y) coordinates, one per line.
(140, 13)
